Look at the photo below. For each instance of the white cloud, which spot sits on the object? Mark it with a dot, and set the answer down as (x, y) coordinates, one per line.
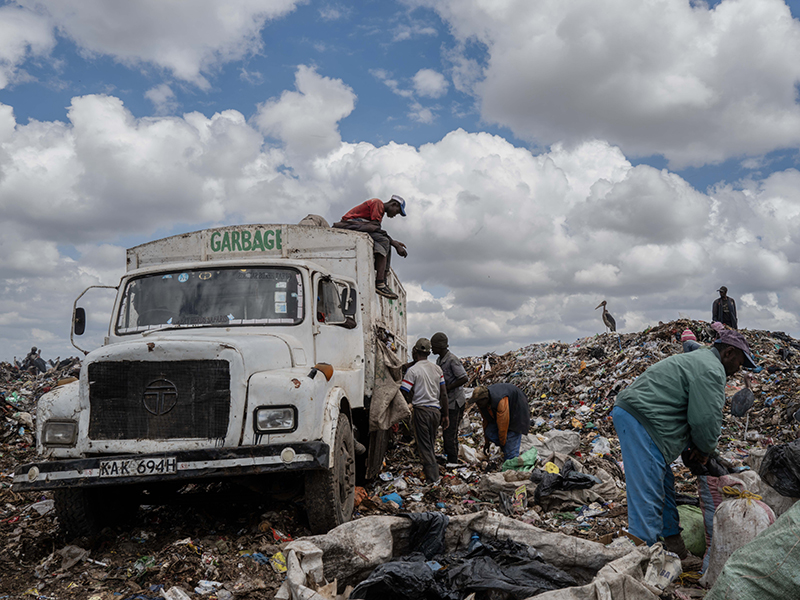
(421, 114)
(334, 12)
(430, 83)
(307, 120)
(23, 33)
(695, 84)
(519, 246)
(411, 30)
(187, 38)
(163, 99)
(391, 83)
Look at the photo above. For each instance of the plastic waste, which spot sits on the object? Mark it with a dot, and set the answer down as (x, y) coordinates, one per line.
(601, 446)
(736, 523)
(278, 562)
(567, 479)
(175, 593)
(524, 462)
(427, 533)
(741, 402)
(664, 568)
(694, 533)
(474, 541)
(393, 497)
(206, 587)
(767, 567)
(781, 468)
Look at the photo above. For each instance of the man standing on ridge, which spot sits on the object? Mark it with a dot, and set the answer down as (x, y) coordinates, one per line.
(724, 309)
(367, 217)
(675, 404)
(455, 377)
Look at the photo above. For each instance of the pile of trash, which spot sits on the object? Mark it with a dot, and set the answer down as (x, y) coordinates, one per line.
(555, 517)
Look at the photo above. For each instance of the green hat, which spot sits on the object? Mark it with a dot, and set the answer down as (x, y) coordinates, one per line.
(422, 345)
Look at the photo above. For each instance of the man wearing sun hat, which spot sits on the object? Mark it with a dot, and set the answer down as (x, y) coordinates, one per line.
(367, 217)
(676, 404)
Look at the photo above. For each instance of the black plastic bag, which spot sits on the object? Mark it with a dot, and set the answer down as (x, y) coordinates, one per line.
(574, 480)
(500, 570)
(567, 479)
(427, 532)
(408, 579)
(781, 468)
(512, 581)
(741, 402)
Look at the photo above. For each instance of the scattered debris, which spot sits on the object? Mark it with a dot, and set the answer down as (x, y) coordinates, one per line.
(209, 546)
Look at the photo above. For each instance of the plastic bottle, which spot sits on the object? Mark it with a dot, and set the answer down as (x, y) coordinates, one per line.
(474, 542)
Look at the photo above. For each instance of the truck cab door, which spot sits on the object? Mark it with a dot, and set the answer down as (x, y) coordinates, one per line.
(338, 331)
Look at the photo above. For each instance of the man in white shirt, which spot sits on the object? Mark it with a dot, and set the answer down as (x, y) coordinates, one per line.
(423, 386)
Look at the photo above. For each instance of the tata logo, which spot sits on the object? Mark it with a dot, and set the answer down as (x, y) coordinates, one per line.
(160, 397)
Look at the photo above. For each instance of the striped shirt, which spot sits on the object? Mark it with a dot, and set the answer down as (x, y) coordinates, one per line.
(423, 379)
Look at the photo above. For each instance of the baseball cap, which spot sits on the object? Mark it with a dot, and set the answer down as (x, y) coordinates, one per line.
(399, 199)
(736, 339)
(688, 335)
(722, 288)
(423, 345)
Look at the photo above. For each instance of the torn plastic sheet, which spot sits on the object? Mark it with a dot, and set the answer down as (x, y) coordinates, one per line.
(350, 553)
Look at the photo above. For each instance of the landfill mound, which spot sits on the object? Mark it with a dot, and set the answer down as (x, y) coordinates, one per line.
(221, 546)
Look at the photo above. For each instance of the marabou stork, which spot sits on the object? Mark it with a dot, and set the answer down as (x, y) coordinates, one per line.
(608, 320)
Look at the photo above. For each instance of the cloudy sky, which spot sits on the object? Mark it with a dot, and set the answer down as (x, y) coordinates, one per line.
(553, 153)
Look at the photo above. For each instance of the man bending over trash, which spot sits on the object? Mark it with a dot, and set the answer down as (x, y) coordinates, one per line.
(506, 416)
(675, 403)
(367, 217)
(423, 386)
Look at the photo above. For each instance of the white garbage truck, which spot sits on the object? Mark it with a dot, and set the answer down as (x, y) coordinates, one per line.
(244, 353)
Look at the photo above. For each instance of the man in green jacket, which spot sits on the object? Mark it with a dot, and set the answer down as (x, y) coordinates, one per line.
(675, 404)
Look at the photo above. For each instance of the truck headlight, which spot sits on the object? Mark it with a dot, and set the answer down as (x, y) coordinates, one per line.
(60, 433)
(275, 419)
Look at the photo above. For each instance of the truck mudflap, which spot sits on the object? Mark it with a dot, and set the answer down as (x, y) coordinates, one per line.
(168, 466)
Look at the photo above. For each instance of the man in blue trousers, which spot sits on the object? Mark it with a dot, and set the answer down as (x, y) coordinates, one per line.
(675, 403)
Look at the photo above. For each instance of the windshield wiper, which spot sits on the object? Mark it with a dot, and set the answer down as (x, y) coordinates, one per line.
(165, 327)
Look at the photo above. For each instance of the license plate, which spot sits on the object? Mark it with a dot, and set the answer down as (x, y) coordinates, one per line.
(138, 467)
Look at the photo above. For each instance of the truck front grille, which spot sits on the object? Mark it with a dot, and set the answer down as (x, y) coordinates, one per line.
(159, 400)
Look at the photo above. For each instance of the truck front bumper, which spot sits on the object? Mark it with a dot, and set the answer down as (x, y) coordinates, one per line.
(191, 464)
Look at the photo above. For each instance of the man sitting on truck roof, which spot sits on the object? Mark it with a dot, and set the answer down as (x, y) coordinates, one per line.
(367, 217)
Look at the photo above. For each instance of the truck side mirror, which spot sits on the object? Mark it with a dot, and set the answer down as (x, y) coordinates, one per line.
(79, 322)
(349, 298)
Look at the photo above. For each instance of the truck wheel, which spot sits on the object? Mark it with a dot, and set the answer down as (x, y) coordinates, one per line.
(84, 512)
(79, 511)
(330, 494)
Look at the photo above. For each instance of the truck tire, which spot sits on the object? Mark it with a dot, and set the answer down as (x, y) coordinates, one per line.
(330, 494)
(85, 511)
(79, 512)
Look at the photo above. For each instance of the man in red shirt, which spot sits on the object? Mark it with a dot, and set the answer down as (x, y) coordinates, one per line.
(367, 217)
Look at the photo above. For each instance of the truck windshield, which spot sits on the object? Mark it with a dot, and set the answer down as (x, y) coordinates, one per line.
(212, 298)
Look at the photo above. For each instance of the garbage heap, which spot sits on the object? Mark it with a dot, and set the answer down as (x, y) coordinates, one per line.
(568, 482)
(572, 446)
(573, 386)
